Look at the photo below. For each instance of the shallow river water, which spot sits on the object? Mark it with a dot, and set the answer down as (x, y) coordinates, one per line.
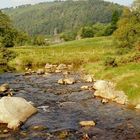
(62, 107)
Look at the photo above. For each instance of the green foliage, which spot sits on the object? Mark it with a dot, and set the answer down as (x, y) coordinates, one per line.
(4, 22)
(8, 35)
(87, 32)
(113, 25)
(128, 32)
(5, 55)
(64, 16)
(39, 40)
(99, 29)
(122, 51)
(110, 62)
(115, 17)
(68, 36)
(21, 39)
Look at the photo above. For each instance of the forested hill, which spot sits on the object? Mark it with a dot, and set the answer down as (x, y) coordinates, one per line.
(48, 17)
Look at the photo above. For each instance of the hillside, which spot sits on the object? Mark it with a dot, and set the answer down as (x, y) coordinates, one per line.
(49, 17)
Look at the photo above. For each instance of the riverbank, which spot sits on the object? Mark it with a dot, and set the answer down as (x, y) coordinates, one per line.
(93, 56)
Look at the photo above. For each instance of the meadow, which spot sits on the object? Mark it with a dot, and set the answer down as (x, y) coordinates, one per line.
(89, 56)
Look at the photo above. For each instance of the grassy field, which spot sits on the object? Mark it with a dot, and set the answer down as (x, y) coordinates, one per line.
(89, 55)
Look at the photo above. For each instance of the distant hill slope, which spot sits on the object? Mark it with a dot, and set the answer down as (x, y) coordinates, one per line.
(46, 18)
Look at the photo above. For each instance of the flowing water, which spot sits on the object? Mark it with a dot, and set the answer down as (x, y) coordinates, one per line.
(62, 107)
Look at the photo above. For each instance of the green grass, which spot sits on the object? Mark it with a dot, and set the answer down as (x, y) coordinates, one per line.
(88, 55)
(76, 52)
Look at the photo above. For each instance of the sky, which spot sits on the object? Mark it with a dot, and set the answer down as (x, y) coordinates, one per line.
(13, 3)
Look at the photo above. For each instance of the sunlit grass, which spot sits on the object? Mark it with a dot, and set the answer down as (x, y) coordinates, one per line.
(88, 54)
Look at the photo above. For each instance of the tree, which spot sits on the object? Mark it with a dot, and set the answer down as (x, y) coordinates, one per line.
(87, 32)
(68, 36)
(113, 25)
(9, 36)
(128, 32)
(99, 29)
(39, 40)
(21, 39)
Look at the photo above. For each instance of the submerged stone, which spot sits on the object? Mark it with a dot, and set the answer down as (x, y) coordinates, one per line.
(87, 123)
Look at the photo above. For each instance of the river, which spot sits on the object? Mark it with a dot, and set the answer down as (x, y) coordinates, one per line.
(62, 107)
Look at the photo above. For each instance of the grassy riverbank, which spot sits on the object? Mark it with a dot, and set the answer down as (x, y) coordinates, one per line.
(90, 55)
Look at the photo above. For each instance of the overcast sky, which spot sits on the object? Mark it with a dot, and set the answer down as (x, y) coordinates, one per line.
(11, 3)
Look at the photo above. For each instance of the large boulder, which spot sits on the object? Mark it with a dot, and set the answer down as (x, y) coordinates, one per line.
(14, 111)
(106, 89)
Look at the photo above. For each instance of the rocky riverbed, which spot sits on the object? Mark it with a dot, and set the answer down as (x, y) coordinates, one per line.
(62, 107)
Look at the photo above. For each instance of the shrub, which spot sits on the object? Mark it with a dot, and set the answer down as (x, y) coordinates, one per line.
(68, 36)
(5, 55)
(110, 62)
(87, 32)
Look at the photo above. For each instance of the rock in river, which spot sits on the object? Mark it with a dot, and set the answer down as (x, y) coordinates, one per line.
(40, 71)
(84, 87)
(87, 123)
(14, 111)
(137, 106)
(62, 67)
(66, 81)
(106, 89)
(4, 87)
(88, 78)
(104, 101)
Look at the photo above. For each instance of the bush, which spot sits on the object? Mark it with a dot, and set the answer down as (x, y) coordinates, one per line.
(110, 62)
(122, 51)
(39, 40)
(99, 29)
(87, 32)
(5, 55)
(68, 36)
(128, 31)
